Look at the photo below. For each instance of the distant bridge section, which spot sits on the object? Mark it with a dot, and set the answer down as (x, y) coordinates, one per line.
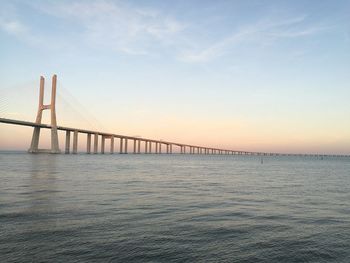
(137, 141)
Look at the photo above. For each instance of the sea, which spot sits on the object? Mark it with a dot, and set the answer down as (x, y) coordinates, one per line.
(173, 208)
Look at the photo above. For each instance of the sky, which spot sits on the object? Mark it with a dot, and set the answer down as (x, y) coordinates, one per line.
(243, 75)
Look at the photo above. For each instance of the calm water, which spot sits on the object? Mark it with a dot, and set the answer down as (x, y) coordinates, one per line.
(148, 208)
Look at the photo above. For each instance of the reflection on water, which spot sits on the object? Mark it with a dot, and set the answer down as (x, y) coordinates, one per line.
(173, 208)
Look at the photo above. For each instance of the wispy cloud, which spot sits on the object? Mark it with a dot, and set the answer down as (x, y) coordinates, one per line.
(13, 27)
(10, 23)
(101, 24)
(116, 25)
(260, 33)
(128, 29)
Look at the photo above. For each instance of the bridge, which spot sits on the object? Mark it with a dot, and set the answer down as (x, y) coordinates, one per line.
(149, 145)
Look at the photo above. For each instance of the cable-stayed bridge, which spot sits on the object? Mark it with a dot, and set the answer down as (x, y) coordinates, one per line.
(96, 140)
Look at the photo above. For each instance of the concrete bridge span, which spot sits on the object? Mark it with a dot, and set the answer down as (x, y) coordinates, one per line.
(93, 137)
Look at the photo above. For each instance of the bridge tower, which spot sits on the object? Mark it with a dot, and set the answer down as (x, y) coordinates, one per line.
(52, 107)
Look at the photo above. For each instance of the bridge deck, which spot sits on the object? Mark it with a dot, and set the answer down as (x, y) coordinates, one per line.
(62, 128)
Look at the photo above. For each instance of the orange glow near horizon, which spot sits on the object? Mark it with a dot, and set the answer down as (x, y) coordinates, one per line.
(235, 135)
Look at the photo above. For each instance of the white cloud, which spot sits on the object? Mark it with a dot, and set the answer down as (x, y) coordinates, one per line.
(13, 27)
(260, 33)
(121, 27)
(117, 26)
(99, 24)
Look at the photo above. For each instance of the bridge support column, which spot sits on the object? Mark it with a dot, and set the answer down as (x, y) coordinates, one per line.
(88, 143)
(171, 148)
(103, 139)
(67, 142)
(146, 147)
(134, 146)
(75, 142)
(138, 146)
(112, 144)
(126, 146)
(95, 143)
(121, 146)
(160, 148)
(156, 147)
(150, 147)
(167, 148)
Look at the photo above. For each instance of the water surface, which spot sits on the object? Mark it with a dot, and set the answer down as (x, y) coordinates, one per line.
(173, 208)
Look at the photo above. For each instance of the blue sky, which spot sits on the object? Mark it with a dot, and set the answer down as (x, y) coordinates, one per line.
(269, 73)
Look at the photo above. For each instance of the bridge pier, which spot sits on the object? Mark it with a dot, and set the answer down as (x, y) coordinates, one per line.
(67, 142)
(160, 148)
(171, 148)
(138, 146)
(112, 145)
(121, 146)
(95, 143)
(126, 146)
(134, 146)
(88, 143)
(103, 144)
(146, 147)
(75, 142)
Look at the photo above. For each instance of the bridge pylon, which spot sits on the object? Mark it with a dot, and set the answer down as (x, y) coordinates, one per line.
(34, 146)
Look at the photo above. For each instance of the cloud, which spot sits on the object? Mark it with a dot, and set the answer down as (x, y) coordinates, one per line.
(98, 24)
(13, 27)
(116, 25)
(259, 33)
(124, 28)
(10, 23)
